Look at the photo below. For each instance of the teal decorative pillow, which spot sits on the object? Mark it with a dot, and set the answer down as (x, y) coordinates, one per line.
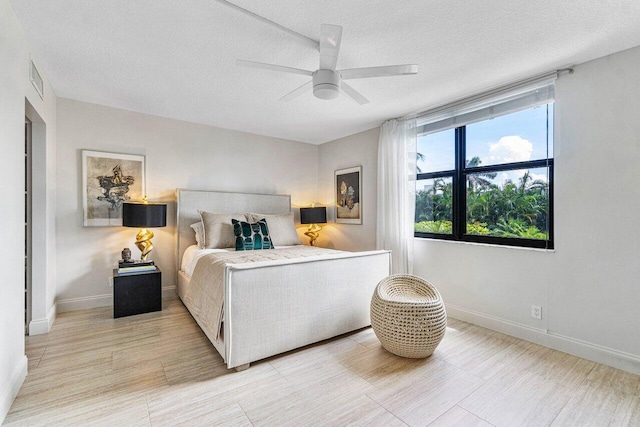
(251, 236)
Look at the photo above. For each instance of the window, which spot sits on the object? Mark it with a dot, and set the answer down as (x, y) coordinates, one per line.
(490, 179)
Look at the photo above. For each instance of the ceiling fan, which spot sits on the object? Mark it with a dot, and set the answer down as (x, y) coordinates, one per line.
(326, 81)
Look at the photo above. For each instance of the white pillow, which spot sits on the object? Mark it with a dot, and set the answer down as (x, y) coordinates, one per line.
(218, 230)
(198, 227)
(282, 229)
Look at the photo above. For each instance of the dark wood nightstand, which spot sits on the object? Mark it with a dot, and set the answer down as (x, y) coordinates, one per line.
(136, 293)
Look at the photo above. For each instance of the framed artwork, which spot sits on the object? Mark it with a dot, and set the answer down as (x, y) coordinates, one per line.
(108, 179)
(349, 195)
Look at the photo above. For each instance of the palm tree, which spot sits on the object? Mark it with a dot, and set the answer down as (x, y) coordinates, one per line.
(419, 158)
(533, 200)
(479, 180)
(423, 206)
(442, 199)
(527, 183)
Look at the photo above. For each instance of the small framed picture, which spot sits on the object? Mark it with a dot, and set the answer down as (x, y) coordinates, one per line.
(349, 195)
(108, 180)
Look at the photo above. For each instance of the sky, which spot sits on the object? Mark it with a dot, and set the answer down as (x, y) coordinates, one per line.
(514, 137)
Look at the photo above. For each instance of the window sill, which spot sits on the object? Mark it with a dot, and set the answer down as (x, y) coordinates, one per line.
(459, 242)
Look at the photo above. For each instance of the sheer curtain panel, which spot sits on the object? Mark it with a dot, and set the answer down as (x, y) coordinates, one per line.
(397, 192)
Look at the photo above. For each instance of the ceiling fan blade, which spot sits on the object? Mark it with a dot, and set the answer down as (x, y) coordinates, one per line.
(389, 70)
(297, 92)
(330, 36)
(354, 94)
(272, 67)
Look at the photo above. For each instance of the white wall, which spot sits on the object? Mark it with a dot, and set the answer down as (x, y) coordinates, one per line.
(178, 155)
(360, 149)
(594, 293)
(14, 88)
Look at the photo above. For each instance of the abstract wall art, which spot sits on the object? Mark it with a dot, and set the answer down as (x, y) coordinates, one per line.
(108, 180)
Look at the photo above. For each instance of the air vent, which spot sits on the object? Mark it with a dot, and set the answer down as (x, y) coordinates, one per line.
(36, 80)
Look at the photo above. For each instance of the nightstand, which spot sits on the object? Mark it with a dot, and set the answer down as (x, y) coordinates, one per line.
(136, 293)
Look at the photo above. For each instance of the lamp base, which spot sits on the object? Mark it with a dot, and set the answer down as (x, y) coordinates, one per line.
(313, 232)
(143, 242)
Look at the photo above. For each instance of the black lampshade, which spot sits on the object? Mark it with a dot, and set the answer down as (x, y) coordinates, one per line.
(143, 215)
(313, 215)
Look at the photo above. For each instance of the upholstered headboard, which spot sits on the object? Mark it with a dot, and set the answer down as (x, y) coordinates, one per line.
(191, 201)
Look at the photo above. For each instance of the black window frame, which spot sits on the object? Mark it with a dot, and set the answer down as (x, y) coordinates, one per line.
(459, 214)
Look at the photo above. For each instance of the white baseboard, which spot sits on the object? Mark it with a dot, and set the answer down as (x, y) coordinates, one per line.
(597, 353)
(10, 390)
(83, 303)
(43, 326)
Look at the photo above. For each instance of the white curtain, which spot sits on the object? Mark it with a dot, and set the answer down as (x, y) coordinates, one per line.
(397, 192)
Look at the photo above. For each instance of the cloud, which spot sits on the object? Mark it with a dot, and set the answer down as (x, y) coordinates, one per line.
(509, 149)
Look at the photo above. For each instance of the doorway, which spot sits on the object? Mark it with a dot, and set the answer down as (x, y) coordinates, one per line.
(27, 223)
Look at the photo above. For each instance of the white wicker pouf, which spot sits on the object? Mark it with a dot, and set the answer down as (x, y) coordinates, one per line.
(408, 316)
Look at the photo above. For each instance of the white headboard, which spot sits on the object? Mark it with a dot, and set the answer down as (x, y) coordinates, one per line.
(191, 201)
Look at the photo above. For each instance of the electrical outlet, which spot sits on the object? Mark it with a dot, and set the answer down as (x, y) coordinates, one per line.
(536, 312)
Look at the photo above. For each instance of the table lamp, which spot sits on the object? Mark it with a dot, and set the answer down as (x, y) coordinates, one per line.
(313, 216)
(144, 215)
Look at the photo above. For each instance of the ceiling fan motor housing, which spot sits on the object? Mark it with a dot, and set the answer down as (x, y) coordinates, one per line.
(326, 84)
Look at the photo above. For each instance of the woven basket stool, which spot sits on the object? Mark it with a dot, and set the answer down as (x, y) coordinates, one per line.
(408, 316)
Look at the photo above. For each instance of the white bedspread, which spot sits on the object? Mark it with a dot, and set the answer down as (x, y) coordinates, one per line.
(192, 254)
(206, 292)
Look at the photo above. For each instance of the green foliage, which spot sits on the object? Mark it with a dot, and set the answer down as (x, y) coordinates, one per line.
(478, 228)
(435, 204)
(440, 227)
(446, 227)
(517, 228)
(511, 210)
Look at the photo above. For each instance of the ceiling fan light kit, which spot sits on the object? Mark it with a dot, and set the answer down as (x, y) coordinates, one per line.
(326, 81)
(326, 84)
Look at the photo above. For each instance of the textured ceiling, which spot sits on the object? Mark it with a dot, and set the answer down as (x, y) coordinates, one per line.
(177, 58)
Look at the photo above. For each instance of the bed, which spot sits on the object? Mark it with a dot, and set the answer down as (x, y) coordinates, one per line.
(274, 306)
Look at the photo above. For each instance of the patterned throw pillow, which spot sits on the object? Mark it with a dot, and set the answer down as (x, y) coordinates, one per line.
(251, 236)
